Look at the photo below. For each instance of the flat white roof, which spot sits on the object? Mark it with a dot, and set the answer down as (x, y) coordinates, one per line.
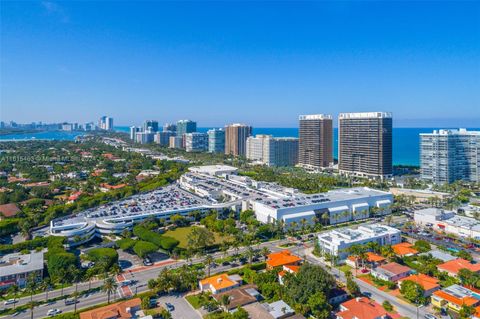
(17, 263)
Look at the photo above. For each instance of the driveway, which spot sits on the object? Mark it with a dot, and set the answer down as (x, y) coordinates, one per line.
(127, 260)
(182, 310)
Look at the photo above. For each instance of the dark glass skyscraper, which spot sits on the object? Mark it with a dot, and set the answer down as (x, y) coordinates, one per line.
(315, 141)
(365, 144)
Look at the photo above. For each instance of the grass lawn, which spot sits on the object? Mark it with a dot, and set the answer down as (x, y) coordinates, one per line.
(181, 234)
(346, 268)
(194, 300)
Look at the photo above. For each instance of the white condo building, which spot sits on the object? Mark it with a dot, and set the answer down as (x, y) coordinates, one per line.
(273, 151)
(450, 155)
(337, 241)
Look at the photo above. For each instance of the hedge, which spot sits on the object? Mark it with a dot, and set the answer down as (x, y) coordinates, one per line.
(143, 248)
(165, 242)
(43, 242)
(109, 254)
(125, 244)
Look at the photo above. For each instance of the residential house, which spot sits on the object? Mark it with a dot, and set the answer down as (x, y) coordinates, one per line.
(292, 269)
(361, 308)
(391, 272)
(373, 260)
(454, 297)
(8, 210)
(429, 284)
(220, 283)
(121, 310)
(279, 309)
(404, 249)
(452, 267)
(282, 258)
(239, 297)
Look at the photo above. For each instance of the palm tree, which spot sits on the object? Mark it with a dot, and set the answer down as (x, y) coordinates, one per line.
(63, 277)
(208, 262)
(325, 218)
(31, 305)
(31, 285)
(75, 275)
(109, 286)
(115, 270)
(387, 252)
(250, 253)
(45, 286)
(265, 252)
(303, 222)
(14, 289)
(89, 275)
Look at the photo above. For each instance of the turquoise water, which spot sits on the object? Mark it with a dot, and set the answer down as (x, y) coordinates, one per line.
(405, 140)
(47, 135)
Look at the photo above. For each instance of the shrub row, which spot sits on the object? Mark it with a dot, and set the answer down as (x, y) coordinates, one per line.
(164, 242)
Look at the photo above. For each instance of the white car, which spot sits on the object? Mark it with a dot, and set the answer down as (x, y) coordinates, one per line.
(53, 312)
(10, 301)
(429, 316)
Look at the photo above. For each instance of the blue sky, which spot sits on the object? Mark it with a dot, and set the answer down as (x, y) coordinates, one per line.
(263, 63)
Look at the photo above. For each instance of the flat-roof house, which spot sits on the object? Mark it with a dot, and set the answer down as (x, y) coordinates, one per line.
(454, 297)
(279, 309)
(121, 310)
(361, 308)
(282, 258)
(452, 267)
(336, 242)
(391, 272)
(404, 249)
(16, 268)
(220, 283)
(429, 284)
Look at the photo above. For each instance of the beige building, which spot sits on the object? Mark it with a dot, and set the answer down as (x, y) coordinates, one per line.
(236, 139)
(273, 151)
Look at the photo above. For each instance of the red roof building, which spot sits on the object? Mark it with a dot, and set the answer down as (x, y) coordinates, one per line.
(282, 258)
(361, 308)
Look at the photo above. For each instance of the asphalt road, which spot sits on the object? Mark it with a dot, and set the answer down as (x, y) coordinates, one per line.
(142, 277)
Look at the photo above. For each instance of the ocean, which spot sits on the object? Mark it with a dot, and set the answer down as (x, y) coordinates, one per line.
(405, 140)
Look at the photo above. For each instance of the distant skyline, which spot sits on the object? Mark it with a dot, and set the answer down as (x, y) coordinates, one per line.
(261, 63)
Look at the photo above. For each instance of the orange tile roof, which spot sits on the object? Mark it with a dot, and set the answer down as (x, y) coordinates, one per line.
(469, 301)
(404, 249)
(221, 281)
(363, 308)
(425, 281)
(292, 268)
(284, 257)
(116, 310)
(454, 266)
